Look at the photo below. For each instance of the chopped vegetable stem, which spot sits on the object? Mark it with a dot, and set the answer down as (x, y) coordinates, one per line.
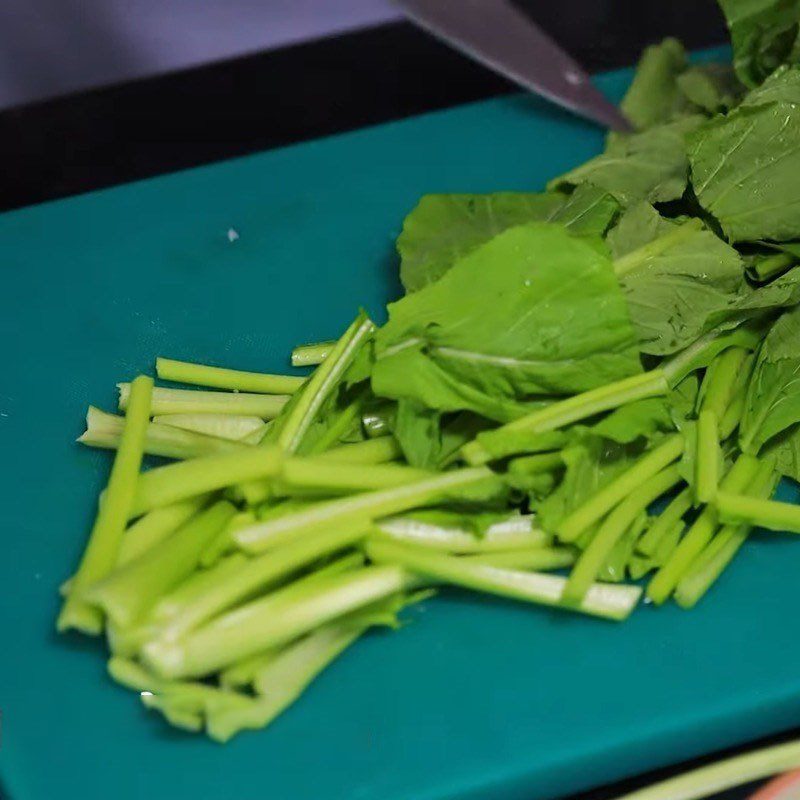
(359, 511)
(105, 430)
(665, 522)
(129, 591)
(152, 528)
(237, 428)
(721, 550)
(707, 457)
(309, 355)
(699, 533)
(723, 775)
(505, 441)
(601, 503)
(335, 477)
(609, 601)
(274, 620)
(165, 485)
(615, 525)
(322, 382)
(256, 574)
(196, 401)
(102, 551)
(222, 378)
(771, 514)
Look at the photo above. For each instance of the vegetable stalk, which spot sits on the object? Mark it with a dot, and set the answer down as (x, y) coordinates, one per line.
(102, 551)
(201, 375)
(510, 438)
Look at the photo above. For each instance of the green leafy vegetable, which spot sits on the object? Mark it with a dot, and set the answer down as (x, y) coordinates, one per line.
(742, 170)
(763, 34)
(649, 166)
(487, 331)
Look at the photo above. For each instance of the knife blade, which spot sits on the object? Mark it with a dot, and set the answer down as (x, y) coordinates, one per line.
(501, 37)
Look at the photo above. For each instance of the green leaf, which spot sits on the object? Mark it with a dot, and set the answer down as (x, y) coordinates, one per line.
(679, 291)
(773, 396)
(444, 227)
(743, 171)
(653, 96)
(534, 311)
(643, 166)
(588, 211)
(763, 34)
(785, 450)
(782, 86)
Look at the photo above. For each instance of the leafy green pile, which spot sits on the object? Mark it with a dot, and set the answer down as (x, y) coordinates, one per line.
(600, 378)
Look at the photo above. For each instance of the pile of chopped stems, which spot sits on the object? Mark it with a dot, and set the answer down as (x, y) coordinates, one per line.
(585, 395)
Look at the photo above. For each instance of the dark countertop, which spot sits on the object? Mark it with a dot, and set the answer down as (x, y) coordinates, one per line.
(113, 135)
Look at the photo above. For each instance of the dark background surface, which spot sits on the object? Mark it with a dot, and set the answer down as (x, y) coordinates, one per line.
(113, 135)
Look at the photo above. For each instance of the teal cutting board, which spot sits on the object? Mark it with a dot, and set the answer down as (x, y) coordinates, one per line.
(475, 698)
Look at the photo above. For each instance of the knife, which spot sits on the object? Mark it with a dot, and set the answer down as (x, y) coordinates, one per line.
(502, 38)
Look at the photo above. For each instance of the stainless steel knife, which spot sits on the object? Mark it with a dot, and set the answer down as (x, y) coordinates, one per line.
(500, 36)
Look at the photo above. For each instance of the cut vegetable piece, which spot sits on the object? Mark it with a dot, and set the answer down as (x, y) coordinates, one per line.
(371, 451)
(771, 514)
(219, 378)
(721, 380)
(616, 524)
(600, 504)
(194, 401)
(152, 528)
(187, 591)
(515, 532)
(165, 485)
(309, 355)
(720, 551)
(707, 347)
(723, 775)
(105, 430)
(699, 533)
(358, 512)
(225, 426)
(510, 438)
(299, 417)
(526, 558)
(273, 620)
(611, 602)
(283, 679)
(280, 676)
(102, 550)
(129, 591)
(708, 457)
(254, 575)
(665, 522)
(326, 476)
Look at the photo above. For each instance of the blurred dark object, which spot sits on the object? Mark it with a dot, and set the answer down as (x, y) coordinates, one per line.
(108, 136)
